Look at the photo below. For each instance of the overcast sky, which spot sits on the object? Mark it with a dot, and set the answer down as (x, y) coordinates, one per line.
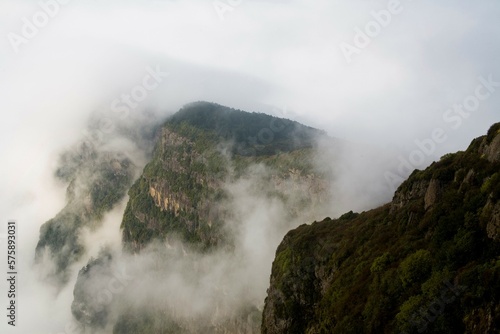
(306, 60)
(60, 62)
(247, 54)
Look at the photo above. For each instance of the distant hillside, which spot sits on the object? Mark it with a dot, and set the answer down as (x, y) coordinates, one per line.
(429, 261)
(97, 181)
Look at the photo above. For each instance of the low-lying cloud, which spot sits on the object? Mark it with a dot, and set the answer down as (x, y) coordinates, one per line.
(263, 54)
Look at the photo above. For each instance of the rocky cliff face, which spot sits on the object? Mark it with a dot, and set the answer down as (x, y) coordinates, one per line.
(185, 193)
(174, 194)
(428, 261)
(182, 188)
(490, 147)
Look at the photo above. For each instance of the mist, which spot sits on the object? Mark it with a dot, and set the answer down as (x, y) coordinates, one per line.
(65, 86)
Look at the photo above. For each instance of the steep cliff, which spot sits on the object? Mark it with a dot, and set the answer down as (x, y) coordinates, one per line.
(185, 194)
(428, 261)
(198, 150)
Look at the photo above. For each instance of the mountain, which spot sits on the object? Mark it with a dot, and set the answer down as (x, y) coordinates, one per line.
(184, 219)
(98, 173)
(429, 261)
(97, 181)
(198, 149)
(223, 186)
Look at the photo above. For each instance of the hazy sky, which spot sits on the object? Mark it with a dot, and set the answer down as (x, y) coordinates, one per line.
(279, 53)
(280, 56)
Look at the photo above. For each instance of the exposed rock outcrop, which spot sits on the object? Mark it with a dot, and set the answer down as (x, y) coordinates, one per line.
(490, 147)
(432, 193)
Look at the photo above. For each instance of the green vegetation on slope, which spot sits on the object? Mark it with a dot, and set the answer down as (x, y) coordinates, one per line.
(182, 194)
(97, 182)
(198, 149)
(251, 133)
(429, 261)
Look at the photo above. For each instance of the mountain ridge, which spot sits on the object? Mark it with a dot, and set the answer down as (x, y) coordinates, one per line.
(186, 197)
(384, 270)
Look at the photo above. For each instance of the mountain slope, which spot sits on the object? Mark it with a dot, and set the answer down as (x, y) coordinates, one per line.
(198, 150)
(184, 210)
(97, 181)
(428, 261)
(98, 171)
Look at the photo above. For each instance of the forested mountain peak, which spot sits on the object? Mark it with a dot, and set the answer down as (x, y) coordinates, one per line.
(250, 132)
